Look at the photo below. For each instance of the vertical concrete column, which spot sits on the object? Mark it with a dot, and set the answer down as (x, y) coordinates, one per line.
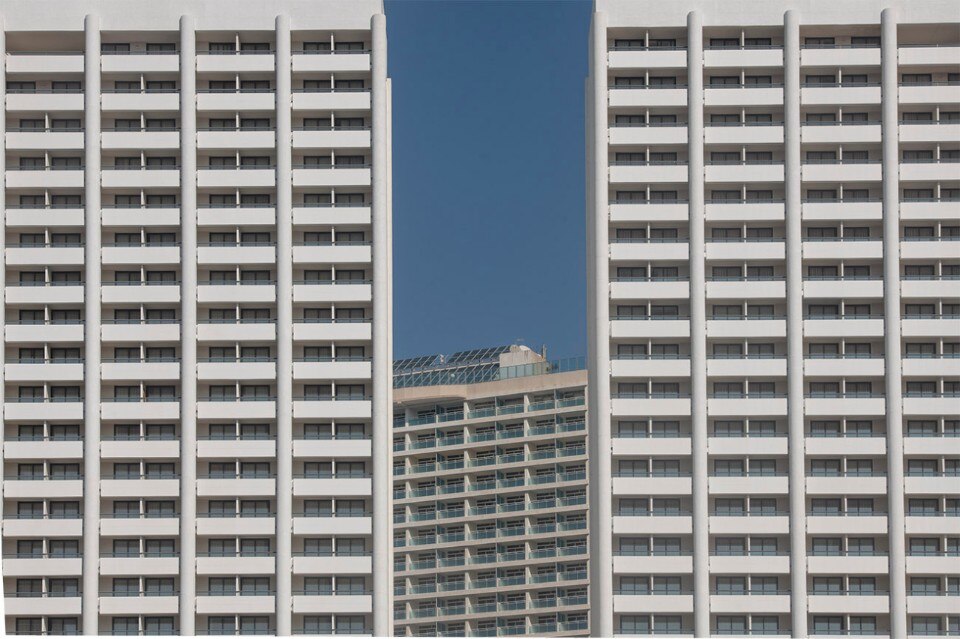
(382, 356)
(3, 213)
(698, 328)
(91, 333)
(284, 332)
(598, 336)
(188, 325)
(794, 268)
(889, 92)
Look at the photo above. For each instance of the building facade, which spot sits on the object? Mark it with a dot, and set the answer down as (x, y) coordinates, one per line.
(773, 197)
(196, 317)
(490, 504)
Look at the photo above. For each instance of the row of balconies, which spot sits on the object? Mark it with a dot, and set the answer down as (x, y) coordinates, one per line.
(495, 411)
(169, 409)
(495, 583)
(678, 288)
(332, 99)
(31, 255)
(170, 332)
(535, 433)
(777, 366)
(944, 247)
(821, 132)
(771, 56)
(207, 292)
(678, 326)
(497, 486)
(678, 210)
(206, 216)
(134, 139)
(41, 63)
(773, 171)
(406, 562)
(415, 515)
(777, 406)
(213, 371)
(771, 94)
(540, 531)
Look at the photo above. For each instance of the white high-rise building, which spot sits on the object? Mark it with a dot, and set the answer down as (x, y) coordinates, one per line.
(197, 317)
(773, 197)
(490, 495)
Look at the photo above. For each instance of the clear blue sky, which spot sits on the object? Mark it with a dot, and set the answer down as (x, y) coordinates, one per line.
(488, 173)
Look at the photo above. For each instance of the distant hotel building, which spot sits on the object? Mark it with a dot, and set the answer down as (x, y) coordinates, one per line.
(774, 309)
(196, 321)
(490, 495)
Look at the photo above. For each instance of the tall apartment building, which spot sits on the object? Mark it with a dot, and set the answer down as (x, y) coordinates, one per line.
(490, 495)
(773, 195)
(197, 330)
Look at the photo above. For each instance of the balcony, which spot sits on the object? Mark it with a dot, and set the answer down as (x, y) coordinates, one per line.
(644, 57)
(317, 368)
(648, 134)
(928, 131)
(308, 330)
(850, 484)
(842, 171)
(652, 406)
(141, 216)
(843, 602)
(39, 139)
(146, 177)
(244, 368)
(336, 604)
(144, 564)
(331, 137)
(246, 100)
(146, 370)
(771, 326)
(774, 287)
(17, 565)
(42, 448)
(140, 101)
(742, 366)
(653, 603)
(140, 62)
(44, 255)
(331, 100)
(739, 95)
(930, 287)
(831, 94)
(262, 291)
(843, 366)
(310, 408)
(136, 409)
(133, 255)
(230, 485)
(332, 291)
(652, 96)
(649, 367)
(926, 209)
(634, 327)
(236, 215)
(219, 447)
(233, 330)
(227, 408)
(262, 524)
(44, 62)
(743, 210)
(775, 523)
(149, 292)
(332, 447)
(746, 56)
(655, 211)
(748, 444)
(930, 93)
(235, 61)
(331, 485)
(349, 175)
(846, 524)
(235, 177)
(241, 563)
(149, 603)
(743, 133)
(846, 287)
(26, 370)
(45, 178)
(843, 248)
(46, 604)
(669, 563)
(65, 487)
(942, 170)
(17, 216)
(840, 404)
(648, 288)
(34, 410)
(652, 172)
(643, 249)
(44, 525)
(146, 448)
(737, 172)
(840, 132)
(332, 214)
(44, 331)
(331, 61)
(835, 56)
(232, 139)
(755, 602)
(246, 253)
(749, 484)
(140, 331)
(136, 487)
(339, 252)
(876, 564)
(843, 326)
(651, 484)
(315, 564)
(135, 140)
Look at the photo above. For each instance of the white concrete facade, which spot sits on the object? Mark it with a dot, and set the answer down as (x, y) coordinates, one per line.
(196, 210)
(774, 318)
